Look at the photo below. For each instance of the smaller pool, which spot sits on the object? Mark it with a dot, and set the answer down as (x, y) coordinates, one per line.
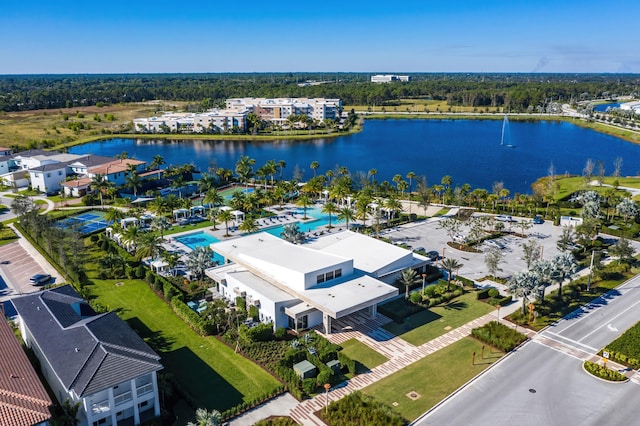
(200, 239)
(197, 239)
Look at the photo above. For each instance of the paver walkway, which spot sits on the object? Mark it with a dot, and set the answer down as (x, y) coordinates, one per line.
(400, 354)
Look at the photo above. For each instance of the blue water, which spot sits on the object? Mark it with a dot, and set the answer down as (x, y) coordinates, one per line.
(603, 107)
(199, 239)
(467, 150)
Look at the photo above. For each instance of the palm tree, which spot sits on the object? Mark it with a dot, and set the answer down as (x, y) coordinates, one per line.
(112, 262)
(206, 183)
(564, 266)
(113, 215)
(248, 225)
(148, 246)
(226, 217)
(304, 201)
(330, 208)
(160, 223)
(292, 233)
(172, 260)
(214, 213)
(410, 176)
(156, 162)
(199, 260)
(523, 285)
(347, 214)
(314, 165)
(206, 418)
(134, 182)
(69, 415)
(271, 167)
(244, 169)
(99, 184)
(213, 198)
(281, 165)
(450, 264)
(408, 278)
(130, 236)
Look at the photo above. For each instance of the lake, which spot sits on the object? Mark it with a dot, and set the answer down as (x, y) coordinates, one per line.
(467, 150)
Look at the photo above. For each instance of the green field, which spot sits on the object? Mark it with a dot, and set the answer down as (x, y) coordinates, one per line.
(433, 377)
(365, 357)
(206, 369)
(427, 325)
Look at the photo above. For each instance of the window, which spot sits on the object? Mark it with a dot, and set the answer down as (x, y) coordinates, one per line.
(143, 404)
(320, 279)
(48, 174)
(329, 276)
(59, 172)
(338, 273)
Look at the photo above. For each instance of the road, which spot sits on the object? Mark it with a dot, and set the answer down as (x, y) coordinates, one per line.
(543, 383)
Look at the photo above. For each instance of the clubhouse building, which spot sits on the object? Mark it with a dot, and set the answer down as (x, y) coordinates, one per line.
(301, 286)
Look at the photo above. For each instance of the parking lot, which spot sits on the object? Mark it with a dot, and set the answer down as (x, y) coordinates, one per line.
(429, 235)
(17, 265)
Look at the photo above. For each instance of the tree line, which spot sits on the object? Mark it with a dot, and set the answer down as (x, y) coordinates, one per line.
(514, 91)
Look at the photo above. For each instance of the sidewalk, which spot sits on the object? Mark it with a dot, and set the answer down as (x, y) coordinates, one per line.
(404, 355)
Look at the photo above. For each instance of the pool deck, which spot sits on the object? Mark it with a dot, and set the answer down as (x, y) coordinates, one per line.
(283, 217)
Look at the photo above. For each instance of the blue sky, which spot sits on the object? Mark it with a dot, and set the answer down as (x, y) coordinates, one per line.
(360, 36)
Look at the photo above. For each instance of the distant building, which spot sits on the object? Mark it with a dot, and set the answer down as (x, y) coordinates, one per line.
(631, 106)
(214, 120)
(278, 110)
(94, 359)
(23, 398)
(388, 78)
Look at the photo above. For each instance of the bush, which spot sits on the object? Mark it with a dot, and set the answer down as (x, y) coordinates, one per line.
(347, 362)
(260, 333)
(140, 271)
(281, 333)
(324, 377)
(493, 293)
(499, 335)
(505, 301)
(357, 409)
(430, 291)
(483, 294)
(309, 385)
(415, 297)
(603, 372)
(150, 278)
(188, 315)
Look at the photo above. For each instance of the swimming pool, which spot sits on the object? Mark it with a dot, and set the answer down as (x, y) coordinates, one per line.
(200, 239)
(319, 219)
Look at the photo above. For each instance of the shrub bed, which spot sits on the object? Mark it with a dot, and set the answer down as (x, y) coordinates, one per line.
(499, 335)
(357, 409)
(399, 309)
(603, 372)
(626, 348)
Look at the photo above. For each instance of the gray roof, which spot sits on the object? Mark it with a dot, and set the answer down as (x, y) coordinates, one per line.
(91, 160)
(89, 352)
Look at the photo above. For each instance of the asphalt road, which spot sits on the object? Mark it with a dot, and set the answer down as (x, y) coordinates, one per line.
(543, 383)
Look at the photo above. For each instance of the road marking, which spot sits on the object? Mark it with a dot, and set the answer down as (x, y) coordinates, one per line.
(569, 340)
(612, 319)
(558, 350)
(610, 327)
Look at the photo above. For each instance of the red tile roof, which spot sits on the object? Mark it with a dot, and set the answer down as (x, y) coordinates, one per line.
(23, 399)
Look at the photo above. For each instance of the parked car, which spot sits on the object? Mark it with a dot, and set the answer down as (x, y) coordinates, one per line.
(418, 250)
(433, 255)
(538, 220)
(39, 279)
(504, 218)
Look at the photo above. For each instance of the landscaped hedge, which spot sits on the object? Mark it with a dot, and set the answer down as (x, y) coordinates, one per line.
(626, 348)
(483, 294)
(188, 315)
(499, 335)
(357, 409)
(248, 405)
(603, 372)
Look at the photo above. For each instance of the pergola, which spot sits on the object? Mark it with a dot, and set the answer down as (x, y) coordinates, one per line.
(181, 214)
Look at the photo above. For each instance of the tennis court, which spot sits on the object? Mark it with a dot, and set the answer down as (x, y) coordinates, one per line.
(86, 223)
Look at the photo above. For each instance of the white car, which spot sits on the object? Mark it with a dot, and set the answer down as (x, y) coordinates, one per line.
(504, 218)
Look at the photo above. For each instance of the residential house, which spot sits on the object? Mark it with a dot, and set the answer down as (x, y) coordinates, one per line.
(23, 398)
(94, 359)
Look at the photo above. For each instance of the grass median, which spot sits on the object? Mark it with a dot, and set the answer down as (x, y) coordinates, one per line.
(418, 387)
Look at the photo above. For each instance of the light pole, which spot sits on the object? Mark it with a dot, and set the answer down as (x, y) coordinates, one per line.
(593, 252)
(443, 249)
(327, 386)
(424, 277)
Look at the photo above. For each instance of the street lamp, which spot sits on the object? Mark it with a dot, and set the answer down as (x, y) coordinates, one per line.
(327, 386)
(593, 252)
(424, 277)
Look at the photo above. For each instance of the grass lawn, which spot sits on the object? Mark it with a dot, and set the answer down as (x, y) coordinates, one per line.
(427, 325)
(433, 377)
(207, 370)
(365, 357)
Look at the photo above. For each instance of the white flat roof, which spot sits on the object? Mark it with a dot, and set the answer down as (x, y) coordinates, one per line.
(265, 247)
(369, 254)
(261, 286)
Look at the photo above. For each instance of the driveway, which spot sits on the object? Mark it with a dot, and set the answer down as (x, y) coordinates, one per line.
(17, 265)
